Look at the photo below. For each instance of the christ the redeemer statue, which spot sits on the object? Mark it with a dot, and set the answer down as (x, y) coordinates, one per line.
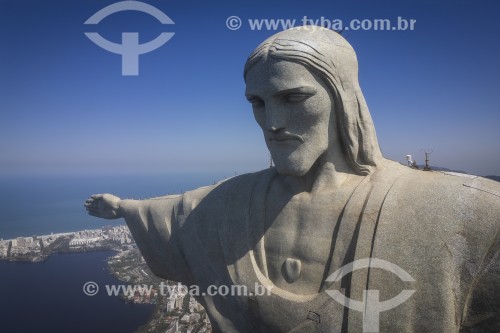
(331, 200)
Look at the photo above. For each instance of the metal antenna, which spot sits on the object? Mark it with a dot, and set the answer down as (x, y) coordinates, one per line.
(427, 152)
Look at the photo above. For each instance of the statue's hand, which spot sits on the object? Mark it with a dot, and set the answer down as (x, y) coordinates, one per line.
(105, 206)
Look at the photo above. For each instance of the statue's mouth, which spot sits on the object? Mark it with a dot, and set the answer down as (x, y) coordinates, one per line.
(283, 137)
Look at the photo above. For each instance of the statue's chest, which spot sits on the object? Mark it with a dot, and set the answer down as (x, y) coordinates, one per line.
(298, 241)
(300, 228)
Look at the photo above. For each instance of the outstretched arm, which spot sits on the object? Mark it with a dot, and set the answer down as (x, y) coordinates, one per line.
(153, 224)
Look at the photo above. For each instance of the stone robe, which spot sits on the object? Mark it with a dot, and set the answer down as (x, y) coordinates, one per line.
(441, 229)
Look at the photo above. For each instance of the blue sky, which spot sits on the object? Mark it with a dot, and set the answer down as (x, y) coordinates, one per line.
(66, 108)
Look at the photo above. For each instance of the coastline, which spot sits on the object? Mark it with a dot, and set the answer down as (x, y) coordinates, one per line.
(174, 312)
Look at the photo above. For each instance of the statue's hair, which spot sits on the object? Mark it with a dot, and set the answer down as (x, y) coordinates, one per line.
(330, 56)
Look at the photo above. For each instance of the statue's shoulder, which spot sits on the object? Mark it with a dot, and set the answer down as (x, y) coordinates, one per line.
(248, 179)
(461, 212)
(449, 184)
(238, 187)
(448, 198)
(456, 186)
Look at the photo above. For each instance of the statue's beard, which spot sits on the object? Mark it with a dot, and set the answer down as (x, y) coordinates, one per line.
(295, 162)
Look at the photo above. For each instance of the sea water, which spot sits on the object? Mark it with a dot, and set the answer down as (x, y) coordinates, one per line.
(48, 297)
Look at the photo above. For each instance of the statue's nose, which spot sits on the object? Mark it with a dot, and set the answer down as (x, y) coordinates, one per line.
(275, 120)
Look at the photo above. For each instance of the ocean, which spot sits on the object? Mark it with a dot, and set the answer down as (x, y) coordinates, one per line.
(48, 296)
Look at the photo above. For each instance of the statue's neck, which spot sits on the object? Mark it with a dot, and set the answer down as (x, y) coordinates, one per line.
(329, 173)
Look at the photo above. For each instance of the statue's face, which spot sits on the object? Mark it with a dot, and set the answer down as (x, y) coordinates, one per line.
(293, 107)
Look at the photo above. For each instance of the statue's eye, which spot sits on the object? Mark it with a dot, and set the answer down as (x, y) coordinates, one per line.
(256, 102)
(295, 98)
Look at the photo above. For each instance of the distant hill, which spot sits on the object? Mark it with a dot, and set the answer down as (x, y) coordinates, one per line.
(497, 178)
(436, 168)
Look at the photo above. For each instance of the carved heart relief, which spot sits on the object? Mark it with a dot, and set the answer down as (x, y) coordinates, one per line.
(291, 269)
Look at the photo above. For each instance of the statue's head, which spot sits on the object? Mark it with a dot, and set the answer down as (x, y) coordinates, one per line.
(305, 95)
